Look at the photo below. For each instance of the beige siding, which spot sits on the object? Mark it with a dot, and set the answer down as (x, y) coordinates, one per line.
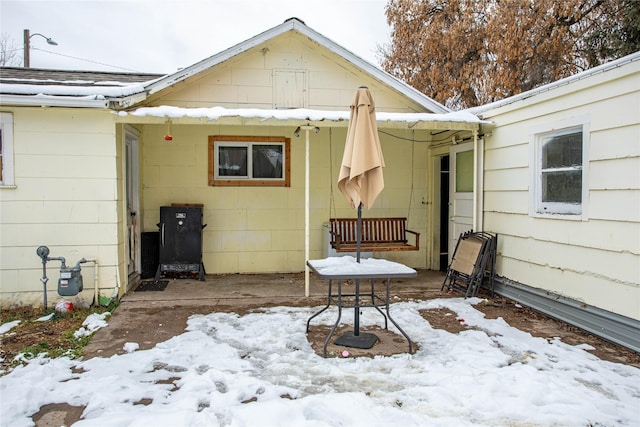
(595, 260)
(247, 81)
(251, 230)
(65, 198)
(261, 229)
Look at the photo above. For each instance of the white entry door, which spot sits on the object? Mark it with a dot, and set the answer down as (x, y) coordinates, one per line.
(133, 202)
(460, 192)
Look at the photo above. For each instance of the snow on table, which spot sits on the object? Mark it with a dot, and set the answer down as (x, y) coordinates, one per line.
(348, 267)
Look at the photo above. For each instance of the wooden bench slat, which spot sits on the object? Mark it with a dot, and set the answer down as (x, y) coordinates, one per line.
(378, 234)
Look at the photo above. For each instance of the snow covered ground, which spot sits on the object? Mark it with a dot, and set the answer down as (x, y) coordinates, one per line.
(259, 370)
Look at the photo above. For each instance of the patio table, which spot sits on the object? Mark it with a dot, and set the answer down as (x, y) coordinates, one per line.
(345, 268)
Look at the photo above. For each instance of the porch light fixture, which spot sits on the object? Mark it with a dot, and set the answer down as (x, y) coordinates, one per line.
(316, 129)
(27, 45)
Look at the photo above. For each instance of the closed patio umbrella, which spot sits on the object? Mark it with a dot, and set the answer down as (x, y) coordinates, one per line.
(361, 181)
(360, 178)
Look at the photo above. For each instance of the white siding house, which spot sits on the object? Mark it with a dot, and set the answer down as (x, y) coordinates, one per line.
(89, 158)
(562, 190)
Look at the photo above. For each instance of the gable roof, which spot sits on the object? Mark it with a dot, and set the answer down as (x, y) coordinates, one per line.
(295, 24)
(600, 69)
(94, 89)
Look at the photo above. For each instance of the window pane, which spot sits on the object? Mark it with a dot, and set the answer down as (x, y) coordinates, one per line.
(267, 161)
(232, 161)
(562, 187)
(562, 151)
(464, 171)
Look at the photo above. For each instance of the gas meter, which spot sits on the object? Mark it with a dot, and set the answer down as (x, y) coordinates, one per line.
(70, 281)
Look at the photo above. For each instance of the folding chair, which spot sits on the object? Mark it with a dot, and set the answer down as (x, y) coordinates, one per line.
(474, 258)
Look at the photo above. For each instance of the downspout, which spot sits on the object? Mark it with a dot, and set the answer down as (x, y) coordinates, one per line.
(478, 184)
(474, 222)
(481, 184)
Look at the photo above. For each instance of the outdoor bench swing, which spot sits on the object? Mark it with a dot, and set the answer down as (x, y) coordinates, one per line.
(378, 234)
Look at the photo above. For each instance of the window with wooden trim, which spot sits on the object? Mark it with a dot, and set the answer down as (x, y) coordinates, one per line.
(560, 170)
(249, 161)
(6, 150)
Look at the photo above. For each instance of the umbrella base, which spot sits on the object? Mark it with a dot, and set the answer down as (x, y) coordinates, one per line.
(348, 339)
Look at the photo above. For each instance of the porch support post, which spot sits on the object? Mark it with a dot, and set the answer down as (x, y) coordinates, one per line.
(306, 211)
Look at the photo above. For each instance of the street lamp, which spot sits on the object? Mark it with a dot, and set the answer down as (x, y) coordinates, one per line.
(27, 47)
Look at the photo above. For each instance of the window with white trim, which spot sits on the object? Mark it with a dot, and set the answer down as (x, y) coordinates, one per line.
(249, 161)
(6, 150)
(560, 170)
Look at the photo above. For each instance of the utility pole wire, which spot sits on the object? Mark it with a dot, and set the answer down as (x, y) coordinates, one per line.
(86, 60)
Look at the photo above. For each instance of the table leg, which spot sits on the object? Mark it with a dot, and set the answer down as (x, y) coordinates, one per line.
(323, 309)
(373, 303)
(394, 322)
(356, 313)
(335, 326)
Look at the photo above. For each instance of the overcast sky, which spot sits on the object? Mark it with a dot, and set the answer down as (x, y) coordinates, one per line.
(160, 36)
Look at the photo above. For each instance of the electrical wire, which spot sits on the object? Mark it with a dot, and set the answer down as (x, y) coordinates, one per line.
(432, 141)
(86, 60)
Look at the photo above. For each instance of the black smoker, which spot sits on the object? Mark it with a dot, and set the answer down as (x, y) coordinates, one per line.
(70, 281)
(181, 240)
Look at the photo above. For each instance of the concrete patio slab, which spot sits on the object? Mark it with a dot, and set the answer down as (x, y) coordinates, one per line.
(150, 317)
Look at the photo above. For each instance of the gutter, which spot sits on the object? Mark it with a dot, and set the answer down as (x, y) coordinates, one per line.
(53, 101)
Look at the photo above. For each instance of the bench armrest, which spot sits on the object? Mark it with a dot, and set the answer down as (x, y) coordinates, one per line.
(416, 234)
(336, 241)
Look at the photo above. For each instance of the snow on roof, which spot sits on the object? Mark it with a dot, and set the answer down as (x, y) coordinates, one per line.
(43, 85)
(215, 113)
(103, 91)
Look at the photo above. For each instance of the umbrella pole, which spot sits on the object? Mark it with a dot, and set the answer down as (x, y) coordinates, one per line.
(356, 316)
(359, 232)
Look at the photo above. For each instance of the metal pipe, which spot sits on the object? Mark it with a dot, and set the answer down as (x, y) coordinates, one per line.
(44, 281)
(96, 285)
(474, 222)
(43, 253)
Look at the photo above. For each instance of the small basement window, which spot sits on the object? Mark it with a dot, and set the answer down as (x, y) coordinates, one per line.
(249, 161)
